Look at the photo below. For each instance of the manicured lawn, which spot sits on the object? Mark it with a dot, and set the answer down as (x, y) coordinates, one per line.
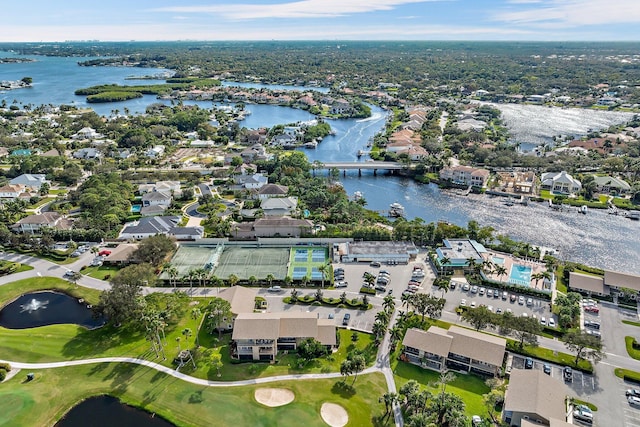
(627, 375)
(102, 272)
(469, 387)
(591, 406)
(628, 341)
(560, 285)
(631, 322)
(54, 391)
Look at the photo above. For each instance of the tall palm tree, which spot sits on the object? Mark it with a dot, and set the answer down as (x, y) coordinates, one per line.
(323, 269)
(173, 275)
(442, 286)
(388, 304)
(500, 271)
(443, 262)
(269, 279)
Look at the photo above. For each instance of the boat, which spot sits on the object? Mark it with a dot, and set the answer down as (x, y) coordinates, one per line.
(396, 210)
(311, 144)
(583, 209)
(509, 202)
(357, 195)
(634, 215)
(613, 210)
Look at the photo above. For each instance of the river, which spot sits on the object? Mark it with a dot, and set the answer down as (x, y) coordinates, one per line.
(596, 238)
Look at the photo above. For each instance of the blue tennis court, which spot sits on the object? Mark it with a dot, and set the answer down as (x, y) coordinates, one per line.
(318, 255)
(301, 255)
(315, 274)
(299, 273)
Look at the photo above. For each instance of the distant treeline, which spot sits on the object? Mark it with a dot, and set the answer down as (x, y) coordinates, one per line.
(114, 92)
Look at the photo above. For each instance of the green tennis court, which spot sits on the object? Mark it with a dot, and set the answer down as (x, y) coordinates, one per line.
(245, 262)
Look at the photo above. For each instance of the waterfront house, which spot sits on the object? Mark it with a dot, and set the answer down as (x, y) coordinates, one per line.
(455, 348)
(611, 185)
(465, 175)
(516, 182)
(534, 398)
(259, 336)
(560, 182)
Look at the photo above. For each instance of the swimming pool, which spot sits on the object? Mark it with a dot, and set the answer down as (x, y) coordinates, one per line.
(520, 275)
(497, 260)
(136, 208)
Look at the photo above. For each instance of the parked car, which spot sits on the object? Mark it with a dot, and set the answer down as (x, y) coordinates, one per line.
(529, 302)
(632, 392)
(463, 303)
(591, 324)
(473, 304)
(474, 289)
(592, 309)
(505, 295)
(496, 293)
(274, 289)
(633, 400)
(69, 273)
(585, 416)
(513, 298)
(375, 264)
(528, 363)
(546, 368)
(345, 319)
(596, 334)
(341, 284)
(476, 420)
(521, 300)
(104, 252)
(481, 291)
(567, 374)
(452, 285)
(552, 323)
(466, 287)
(543, 321)
(498, 310)
(76, 253)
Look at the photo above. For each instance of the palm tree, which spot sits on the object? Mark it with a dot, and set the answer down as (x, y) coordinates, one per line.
(187, 333)
(406, 300)
(443, 286)
(233, 280)
(190, 276)
(443, 262)
(252, 280)
(323, 269)
(388, 303)
(195, 314)
(173, 275)
(471, 263)
(500, 271)
(378, 329)
(389, 399)
(382, 317)
(319, 295)
(395, 334)
(270, 279)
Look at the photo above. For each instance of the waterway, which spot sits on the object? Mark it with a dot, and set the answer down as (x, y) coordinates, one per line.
(596, 238)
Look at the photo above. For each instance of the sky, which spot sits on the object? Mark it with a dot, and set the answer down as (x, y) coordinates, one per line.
(122, 20)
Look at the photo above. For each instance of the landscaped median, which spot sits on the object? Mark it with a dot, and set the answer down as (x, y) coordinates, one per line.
(633, 347)
(360, 303)
(628, 375)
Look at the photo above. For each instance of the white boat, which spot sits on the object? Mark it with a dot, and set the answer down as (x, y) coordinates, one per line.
(396, 210)
(583, 209)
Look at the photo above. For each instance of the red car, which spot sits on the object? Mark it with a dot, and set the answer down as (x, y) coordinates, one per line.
(592, 309)
(104, 252)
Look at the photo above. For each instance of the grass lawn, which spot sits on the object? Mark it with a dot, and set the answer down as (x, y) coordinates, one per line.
(631, 322)
(628, 341)
(54, 391)
(627, 375)
(549, 355)
(102, 272)
(469, 387)
(560, 285)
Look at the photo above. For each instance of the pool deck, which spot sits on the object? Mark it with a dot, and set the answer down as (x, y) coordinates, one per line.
(509, 261)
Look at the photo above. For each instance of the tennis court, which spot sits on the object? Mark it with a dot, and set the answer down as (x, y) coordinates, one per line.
(189, 258)
(245, 262)
(304, 262)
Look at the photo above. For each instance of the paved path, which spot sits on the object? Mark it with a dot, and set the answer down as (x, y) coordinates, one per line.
(176, 374)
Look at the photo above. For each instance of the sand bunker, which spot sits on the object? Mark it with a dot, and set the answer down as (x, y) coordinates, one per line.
(334, 415)
(273, 397)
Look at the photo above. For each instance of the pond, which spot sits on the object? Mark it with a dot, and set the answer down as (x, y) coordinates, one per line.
(107, 411)
(47, 308)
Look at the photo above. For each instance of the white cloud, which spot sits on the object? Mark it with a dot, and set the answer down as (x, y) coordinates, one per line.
(297, 9)
(575, 13)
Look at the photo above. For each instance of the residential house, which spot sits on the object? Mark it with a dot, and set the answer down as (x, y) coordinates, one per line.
(255, 181)
(272, 227)
(609, 184)
(156, 198)
(155, 151)
(87, 133)
(259, 336)
(169, 187)
(283, 140)
(255, 152)
(279, 206)
(152, 210)
(87, 154)
(611, 283)
(560, 182)
(455, 348)
(534, 398)
(11, 191)
(517, 182)
(34, 223)
(341, 106)
(272, 190)
(121, 254)
(242, 300)
(471, 125)
(32, 182)
(465, 175)
(167, 225)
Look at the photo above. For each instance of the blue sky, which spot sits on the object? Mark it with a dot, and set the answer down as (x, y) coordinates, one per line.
(47, 20)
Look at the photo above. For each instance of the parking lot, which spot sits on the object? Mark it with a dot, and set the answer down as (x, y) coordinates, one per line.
(630, 414)
(582, 383)
(538, 308)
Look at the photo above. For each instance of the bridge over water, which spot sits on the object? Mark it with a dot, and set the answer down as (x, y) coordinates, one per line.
(360, 166)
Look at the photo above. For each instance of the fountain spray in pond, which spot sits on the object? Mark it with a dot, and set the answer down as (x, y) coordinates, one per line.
(33, 305)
